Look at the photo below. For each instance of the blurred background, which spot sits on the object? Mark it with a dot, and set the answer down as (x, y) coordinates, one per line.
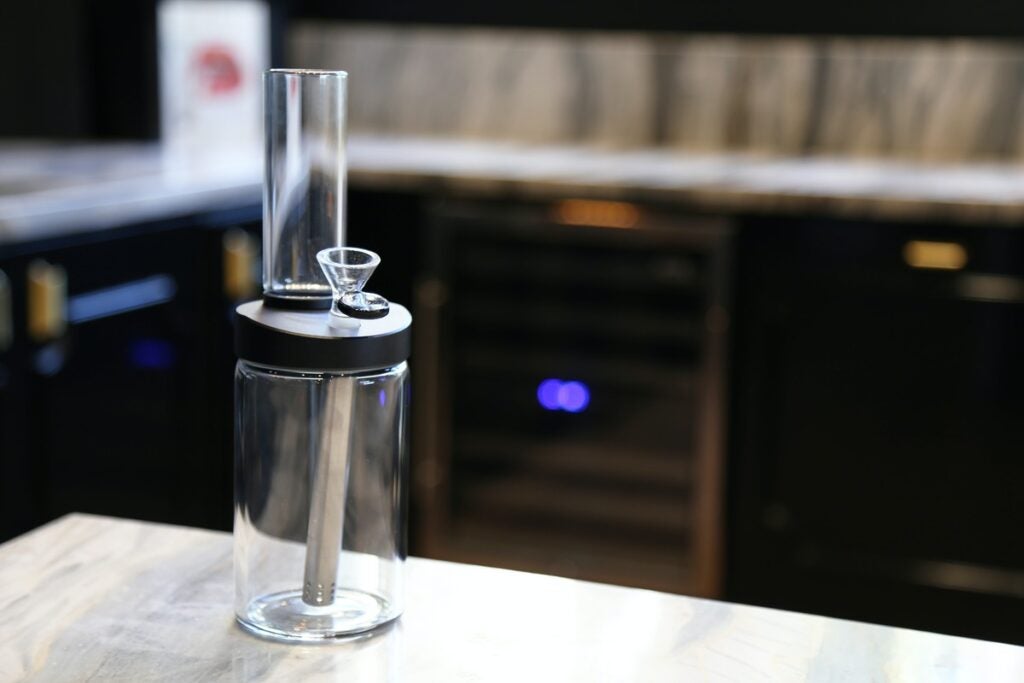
(716, 298)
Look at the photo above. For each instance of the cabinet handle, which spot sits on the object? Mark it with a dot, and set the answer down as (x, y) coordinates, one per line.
(47, 315)
(596, 213)
(996, 289)
(934, 255)
(6, 314)
(239, 249)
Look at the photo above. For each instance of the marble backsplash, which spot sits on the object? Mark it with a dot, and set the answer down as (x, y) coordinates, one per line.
(919, 99)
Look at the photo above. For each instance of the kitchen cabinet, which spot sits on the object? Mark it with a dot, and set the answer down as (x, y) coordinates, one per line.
(120, 404)
(15, 515)
(126, 409)
(876, 433)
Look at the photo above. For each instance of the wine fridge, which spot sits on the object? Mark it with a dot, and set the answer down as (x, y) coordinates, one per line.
(571, 365)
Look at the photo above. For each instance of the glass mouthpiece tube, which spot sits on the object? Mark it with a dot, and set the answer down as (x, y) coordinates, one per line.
(304, 183)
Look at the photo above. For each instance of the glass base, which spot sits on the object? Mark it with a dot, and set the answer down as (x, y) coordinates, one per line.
(284, 616)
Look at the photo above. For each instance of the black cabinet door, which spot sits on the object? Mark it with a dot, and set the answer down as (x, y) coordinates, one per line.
(16, 494)
(878, 429)
(120, 403)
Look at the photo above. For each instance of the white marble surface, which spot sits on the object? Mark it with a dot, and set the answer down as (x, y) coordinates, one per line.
(715, 181)
(92, 598)
(51, 190)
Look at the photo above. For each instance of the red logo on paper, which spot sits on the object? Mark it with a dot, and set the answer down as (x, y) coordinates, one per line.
(218, 70)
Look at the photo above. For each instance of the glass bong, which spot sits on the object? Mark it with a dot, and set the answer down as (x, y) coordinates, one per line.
(321, 395)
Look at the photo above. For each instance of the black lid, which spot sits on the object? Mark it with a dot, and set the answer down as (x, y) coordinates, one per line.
(320, 340)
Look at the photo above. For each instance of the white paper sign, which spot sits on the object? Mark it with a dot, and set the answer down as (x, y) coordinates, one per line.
(212, 56)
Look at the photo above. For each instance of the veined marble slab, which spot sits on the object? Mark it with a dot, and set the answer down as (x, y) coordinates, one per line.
(920, 99)
(93, 598)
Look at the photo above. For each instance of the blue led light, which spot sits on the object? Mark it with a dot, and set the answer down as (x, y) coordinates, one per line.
(547, 394)
(49, 360)
(571, 396)
(382, 397)
(152, 354)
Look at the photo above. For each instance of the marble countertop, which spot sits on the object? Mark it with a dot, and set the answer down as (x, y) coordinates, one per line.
(48, 190)
(714, 181)
(93, 598)
(51, 189)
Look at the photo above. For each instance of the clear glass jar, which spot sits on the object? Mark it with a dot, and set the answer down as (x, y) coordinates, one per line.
(320, 500)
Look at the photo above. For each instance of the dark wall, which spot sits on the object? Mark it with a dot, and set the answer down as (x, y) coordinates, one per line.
(87, 68)
(45, 62)
(78, 69)
(1001, 18)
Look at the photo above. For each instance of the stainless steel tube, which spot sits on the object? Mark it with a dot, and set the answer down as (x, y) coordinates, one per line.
(328, 494)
